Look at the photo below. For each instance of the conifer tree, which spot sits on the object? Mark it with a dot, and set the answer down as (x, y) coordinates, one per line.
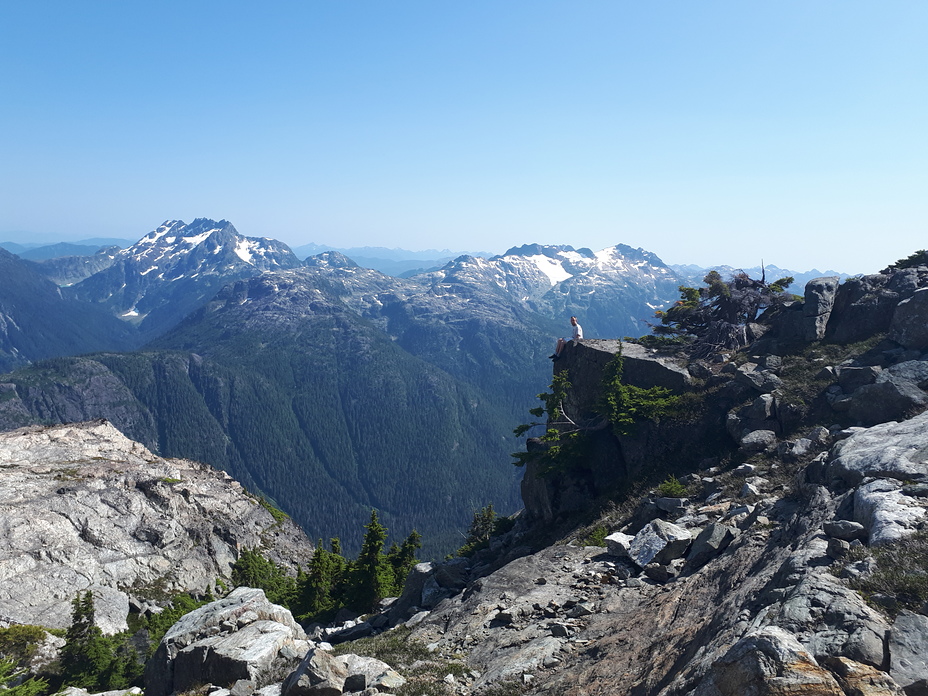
(323, 587)
(372, 577)
(402, 559)
(10, 674)
(89, 659)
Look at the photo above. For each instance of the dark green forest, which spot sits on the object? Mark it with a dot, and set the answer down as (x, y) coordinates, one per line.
(325, 416)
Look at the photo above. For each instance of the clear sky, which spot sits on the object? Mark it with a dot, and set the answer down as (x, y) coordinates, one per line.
(708, 132)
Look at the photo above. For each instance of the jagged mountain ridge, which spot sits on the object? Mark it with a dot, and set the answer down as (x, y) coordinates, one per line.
(613, 291)
(176, 268)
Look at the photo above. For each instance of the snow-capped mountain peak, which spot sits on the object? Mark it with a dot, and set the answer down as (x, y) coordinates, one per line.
(559, 280)
(176, 266)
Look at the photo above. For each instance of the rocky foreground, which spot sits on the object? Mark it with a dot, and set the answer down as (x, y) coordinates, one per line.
(82, 508)
(787, 559)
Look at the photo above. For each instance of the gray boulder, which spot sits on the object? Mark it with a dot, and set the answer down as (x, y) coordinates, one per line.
(914, 371)
(909, 327)
(452, 574)
(817, 305)
(618, 544)
(886, 400)
(214, 644)
(888, 450)
(748, 375)
(833, 620)
(758, 441)
(863, 306)
(908, 652)
(762, 408)
(659, 542)
(318, 674)
(768, 662)
(411, 597)
(711, 541)
(862, 680)
(845, 530)
(852, 378)
(886, 512)
(368, 672)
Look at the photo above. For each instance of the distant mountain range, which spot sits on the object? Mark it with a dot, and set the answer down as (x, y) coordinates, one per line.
(329, 387)
(37, 321)
(37, 251)
(401, 263)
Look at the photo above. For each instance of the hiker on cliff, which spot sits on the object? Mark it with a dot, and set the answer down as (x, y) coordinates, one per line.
(577, 335)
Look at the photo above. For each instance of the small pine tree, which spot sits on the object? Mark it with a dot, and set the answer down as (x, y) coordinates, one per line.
(9, 673)
(371, 574)
(322, 588)
(86, 654)
(254, 570)
(402, 559)
(89, 659)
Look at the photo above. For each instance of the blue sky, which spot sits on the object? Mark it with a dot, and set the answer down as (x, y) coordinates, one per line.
(707, 132)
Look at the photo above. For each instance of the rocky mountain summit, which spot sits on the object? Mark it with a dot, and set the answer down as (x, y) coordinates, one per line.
(176, 268)
(83, 508)
(789, 557)
(613, 290)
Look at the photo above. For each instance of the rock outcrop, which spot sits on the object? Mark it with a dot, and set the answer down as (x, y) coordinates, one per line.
(754, 582)
(83, 508)
(240, 637)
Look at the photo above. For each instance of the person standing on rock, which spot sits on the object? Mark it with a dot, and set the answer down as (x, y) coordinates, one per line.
(577, 335)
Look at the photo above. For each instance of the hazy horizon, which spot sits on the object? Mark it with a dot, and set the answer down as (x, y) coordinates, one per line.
(707, 133)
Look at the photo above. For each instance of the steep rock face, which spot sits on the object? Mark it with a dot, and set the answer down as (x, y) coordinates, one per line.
(82, 508)
(611, 461)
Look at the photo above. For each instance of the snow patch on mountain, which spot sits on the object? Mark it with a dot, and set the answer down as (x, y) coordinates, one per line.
(552, 268)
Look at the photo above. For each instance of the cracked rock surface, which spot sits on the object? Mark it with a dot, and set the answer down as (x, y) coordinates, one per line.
(82, 508)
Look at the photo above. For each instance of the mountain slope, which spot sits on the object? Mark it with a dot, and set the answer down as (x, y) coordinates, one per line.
(176, 268)
(37, 322)
(283, 385)
(67, 270)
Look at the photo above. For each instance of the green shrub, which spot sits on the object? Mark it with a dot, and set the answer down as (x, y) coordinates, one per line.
(19, 642)
(901, 572)
(596, 537)
(623, 404)
(486, 524)
(672, 488)
(9, 674)
(93, 661)
(254, 570)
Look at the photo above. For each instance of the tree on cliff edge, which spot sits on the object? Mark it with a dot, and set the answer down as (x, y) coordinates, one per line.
(718, 316)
